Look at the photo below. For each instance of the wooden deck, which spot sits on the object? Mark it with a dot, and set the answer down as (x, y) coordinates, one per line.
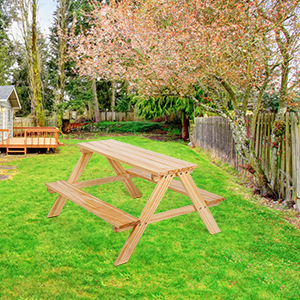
(29, 137)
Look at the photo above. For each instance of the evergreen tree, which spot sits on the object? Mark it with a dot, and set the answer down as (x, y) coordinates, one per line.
(6, 58)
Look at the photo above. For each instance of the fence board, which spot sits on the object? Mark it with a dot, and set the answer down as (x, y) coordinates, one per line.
(214, 134)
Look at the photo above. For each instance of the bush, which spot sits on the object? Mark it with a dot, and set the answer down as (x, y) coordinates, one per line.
(120, 127)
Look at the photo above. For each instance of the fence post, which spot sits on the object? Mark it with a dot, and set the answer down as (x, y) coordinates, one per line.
(297, 137)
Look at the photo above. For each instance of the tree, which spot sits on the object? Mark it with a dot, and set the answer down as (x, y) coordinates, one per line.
(62, 17)
(63, 76)
(233, 50)
(27, 10)
(6, 47)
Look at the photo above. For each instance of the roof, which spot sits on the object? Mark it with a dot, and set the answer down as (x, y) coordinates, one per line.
(8, 92)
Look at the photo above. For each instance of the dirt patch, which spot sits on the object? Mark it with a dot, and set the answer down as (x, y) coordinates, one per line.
(4, 177)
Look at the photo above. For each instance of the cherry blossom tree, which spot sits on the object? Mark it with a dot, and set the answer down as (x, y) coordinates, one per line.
(232, 49)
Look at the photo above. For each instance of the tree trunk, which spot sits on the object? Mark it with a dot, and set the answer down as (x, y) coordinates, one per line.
(96, 104)
(35, 72)
(184, 132)
(245, 147)
(62, 49)
(113, 100)
(279, 125)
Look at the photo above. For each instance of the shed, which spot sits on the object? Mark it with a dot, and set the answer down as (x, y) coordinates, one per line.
(9, 101)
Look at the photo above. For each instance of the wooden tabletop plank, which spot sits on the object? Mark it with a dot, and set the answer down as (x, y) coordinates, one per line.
(156, 163)
(138, 155)
(123, 158)
(149, 155)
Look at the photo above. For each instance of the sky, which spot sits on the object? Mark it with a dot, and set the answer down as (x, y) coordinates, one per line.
(45, 12)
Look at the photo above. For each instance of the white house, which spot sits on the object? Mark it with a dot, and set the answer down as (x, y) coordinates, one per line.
(9, 101)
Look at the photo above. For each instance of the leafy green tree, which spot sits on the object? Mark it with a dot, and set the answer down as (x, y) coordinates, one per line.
(6, 57)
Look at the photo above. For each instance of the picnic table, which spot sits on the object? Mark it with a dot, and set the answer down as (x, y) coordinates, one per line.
(157, 168)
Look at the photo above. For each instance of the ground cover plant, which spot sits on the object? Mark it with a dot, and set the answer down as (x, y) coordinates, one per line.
(121, 127)
(256, 255)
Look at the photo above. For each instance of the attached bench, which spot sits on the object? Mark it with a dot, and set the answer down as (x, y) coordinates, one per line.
(154, 167)
(118, 218)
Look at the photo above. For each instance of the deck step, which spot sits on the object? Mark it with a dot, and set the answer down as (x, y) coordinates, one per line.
(210, 198)
(118, 218)
(11, 150)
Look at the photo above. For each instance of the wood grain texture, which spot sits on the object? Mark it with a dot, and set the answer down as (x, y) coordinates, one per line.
(164, 216)
(199, 202)
(157, 164)
(145, 216)
(210, 198)
(74, 177)
(101, 180)
(128, 183)
(103, 210)
(160, 160)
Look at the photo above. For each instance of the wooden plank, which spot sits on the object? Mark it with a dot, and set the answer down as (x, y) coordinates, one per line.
(172, 213)
(131, 156)
(116, 153)
(98, 181)
(282, 168)
(288, 151)
(169, 214)
(158, 159)
(261, 137)
(122, 158)
(294, 165)
(175, 185)
(146, 215)
(103, 210)
(257, 135)
(164, 215)
(267, 167)
(264, 146)
(128, 183)
(149, 155)
(199, 202)
(74, 177)
(298, 163)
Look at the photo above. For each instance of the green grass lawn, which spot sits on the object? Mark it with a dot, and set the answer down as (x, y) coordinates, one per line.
(256, 255)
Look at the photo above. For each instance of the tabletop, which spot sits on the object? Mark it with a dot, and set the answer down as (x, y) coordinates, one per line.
(156, 163)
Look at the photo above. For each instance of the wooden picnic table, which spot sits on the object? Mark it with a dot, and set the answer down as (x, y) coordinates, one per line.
(157, 168)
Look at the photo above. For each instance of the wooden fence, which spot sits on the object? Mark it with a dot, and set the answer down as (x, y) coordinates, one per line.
(52, 120)
(214, 134)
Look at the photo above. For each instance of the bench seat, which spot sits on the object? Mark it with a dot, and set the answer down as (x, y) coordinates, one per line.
(210, 198)
(118, 218)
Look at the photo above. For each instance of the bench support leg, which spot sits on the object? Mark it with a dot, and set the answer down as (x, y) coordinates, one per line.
(145, 217)
(74, 177)
(199, 203)
(128, 183)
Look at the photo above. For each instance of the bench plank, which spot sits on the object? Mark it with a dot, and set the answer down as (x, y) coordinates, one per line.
(105, 211)
(175, 185)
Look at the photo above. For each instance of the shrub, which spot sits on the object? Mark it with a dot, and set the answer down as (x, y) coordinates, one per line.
(120, 127)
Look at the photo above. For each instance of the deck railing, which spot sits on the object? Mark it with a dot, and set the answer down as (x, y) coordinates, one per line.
(20, 131)
(42, 136)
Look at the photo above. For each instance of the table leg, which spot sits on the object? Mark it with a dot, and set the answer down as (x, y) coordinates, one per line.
(145, 217)
(74, 177)
(128, 183)
(198, 202)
